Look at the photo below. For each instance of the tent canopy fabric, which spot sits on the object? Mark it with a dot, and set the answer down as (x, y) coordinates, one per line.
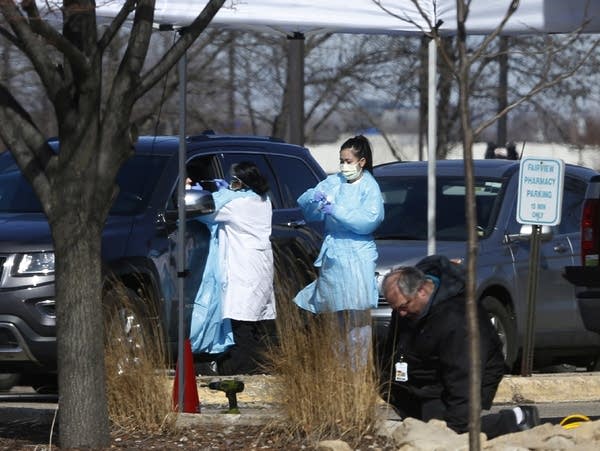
(366, 16)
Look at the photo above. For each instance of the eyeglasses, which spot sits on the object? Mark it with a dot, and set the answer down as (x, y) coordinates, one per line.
(235, 183)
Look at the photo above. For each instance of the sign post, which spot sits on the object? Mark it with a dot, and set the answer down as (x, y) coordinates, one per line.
(539, 203)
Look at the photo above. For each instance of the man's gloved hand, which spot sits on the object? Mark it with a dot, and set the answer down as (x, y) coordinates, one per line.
(221, 183)
(327, 208)
(319, 196)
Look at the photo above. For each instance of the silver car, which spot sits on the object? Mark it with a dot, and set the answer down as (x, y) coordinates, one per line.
(504, 248)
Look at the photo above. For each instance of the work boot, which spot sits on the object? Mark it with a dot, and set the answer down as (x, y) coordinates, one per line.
(531, 417)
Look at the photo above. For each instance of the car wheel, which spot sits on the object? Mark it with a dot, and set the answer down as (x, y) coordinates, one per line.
(45, 384)
(505, 327)
(8, 380)
(127, 325)
(594, 365)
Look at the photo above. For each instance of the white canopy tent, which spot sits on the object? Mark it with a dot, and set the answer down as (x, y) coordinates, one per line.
(366, 16)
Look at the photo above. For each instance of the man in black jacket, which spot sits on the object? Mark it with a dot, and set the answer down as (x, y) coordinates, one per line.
(425, 371)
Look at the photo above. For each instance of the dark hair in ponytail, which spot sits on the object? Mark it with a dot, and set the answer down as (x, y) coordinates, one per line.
(360, 147)
(250, 176)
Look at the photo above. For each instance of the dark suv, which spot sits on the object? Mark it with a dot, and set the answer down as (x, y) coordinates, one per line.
(140, 238)
(502, 272)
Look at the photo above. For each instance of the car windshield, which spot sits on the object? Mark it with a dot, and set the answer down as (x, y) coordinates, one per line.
(405, 201)
(135, 180)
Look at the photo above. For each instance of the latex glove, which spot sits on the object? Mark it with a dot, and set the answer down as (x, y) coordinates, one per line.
(319, 196)
(189, 184)
(327, 208)
(221, 183)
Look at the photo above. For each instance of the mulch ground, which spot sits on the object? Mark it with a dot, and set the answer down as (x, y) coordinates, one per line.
(31, 436)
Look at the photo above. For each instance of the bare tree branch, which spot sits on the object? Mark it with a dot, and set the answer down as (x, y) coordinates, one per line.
(179, 48)
(407, 19)
(116, 24)
(539, 87)
(26, 141)
(29, 45)
(39, 26)
(11, 37)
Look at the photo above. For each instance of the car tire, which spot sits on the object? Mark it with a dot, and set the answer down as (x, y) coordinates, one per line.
(130, 313)
(45, 384)
(505, 327)
(8, 381)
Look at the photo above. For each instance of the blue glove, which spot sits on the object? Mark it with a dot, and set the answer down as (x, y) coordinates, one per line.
(189, 184)
(319, 196)
(221, 183)
(327, 208)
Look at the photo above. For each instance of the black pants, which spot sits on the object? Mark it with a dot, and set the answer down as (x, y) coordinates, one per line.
(492, 424)
(247, 356)
(495, 424)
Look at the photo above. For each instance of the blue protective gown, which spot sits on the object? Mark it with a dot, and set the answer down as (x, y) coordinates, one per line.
(209, 331)
(347, 258)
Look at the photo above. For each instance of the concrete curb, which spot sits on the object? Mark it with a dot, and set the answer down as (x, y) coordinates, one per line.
(247, 417)
(538, 388)
(549, 388)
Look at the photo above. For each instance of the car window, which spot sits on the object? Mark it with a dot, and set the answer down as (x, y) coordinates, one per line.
(201, 169)
(295, 177)
(405, 204)
(134, 180)
(227, 159)
(16, 193)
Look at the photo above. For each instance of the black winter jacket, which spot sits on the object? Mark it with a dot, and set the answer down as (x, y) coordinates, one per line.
(436, 351)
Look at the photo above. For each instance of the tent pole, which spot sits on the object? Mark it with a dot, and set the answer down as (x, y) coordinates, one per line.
(295, 75)
(431, 146)
(181, 271)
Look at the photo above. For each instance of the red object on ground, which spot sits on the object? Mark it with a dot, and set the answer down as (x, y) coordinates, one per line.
(191, 401)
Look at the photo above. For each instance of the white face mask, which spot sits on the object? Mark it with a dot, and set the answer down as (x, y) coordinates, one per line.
(351, 171)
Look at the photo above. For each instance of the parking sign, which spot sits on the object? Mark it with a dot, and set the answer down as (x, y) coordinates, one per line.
(540, 191)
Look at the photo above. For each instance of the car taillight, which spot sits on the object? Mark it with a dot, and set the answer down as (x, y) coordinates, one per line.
(590, 235)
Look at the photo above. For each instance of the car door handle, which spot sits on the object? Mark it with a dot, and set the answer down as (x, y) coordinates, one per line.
(296, 224)
(560, 248)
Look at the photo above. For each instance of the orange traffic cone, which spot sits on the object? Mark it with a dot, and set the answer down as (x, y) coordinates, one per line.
(191, 401)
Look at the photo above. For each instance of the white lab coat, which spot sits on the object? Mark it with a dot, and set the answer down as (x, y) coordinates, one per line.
(246, 258)
(237, 282)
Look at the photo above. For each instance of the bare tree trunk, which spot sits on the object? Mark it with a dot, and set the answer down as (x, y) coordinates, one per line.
(443, 110)
(501, 138)
(472, 243)
(81, 381)
(280, 123)
(423, 77)
(231, 119)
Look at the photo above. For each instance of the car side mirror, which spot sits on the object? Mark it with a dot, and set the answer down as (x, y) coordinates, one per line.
(525, 234)
(198, 202)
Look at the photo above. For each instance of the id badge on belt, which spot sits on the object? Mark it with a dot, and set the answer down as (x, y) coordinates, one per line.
(401, 368)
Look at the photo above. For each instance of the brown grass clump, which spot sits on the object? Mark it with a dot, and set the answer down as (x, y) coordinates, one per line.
(137, 387)
(328, 389)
